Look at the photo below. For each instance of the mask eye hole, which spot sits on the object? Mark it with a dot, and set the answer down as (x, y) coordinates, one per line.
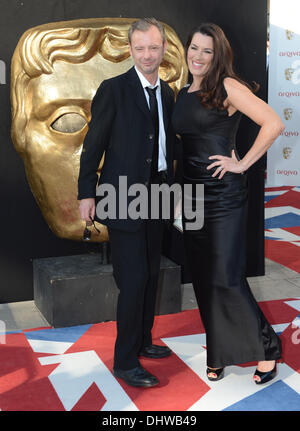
(69, 123)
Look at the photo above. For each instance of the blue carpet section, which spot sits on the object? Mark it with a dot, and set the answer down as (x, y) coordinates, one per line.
(269, 198)
(275, 397)
(17, 331)
(67, 335)
(285, 220)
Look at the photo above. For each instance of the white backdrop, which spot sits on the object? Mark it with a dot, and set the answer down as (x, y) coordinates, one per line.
(283, 161)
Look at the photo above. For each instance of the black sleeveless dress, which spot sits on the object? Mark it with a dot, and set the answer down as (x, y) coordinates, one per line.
(236, 329)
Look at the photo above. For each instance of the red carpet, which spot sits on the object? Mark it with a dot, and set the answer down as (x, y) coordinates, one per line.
(70, 368)
(282, 224)
(78, 376)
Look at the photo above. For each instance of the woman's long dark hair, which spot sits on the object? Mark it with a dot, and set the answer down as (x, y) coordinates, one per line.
(212, 92)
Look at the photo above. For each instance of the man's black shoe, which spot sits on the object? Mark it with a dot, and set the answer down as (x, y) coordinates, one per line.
(136, 377)
(155, 352)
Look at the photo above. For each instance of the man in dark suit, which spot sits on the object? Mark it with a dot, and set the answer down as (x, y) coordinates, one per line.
(131, 124)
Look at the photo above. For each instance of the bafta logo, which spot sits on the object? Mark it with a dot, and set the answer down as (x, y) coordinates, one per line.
(288, 73)
(287, 151)
(288, 112)
(289, 34)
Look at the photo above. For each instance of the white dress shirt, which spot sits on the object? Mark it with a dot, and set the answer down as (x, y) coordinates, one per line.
(162, 163)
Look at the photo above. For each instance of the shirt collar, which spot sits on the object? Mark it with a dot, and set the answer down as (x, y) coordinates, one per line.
(145, 83)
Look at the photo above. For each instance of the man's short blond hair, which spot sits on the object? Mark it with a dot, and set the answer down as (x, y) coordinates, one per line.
(144, 24)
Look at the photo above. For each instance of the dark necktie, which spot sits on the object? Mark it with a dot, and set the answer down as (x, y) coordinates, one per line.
(154, 114)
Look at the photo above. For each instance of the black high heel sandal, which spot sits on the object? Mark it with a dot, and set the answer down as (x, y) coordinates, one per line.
(219, 374)
(265, 376)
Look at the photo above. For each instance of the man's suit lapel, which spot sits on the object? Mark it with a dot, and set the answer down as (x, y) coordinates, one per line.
(138, 92)
(165, 104)
(140, 99)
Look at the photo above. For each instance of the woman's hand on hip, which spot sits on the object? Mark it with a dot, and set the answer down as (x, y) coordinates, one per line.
(225, 164)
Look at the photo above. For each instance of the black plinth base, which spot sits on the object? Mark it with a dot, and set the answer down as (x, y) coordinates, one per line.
(77, 290)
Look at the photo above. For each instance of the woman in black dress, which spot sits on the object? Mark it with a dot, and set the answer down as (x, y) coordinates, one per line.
(206, 115)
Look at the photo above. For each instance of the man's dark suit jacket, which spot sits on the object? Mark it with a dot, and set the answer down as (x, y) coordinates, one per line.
(121, 126)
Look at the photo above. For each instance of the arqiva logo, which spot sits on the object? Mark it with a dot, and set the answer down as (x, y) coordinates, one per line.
(289, 54)
(286, 172)
(289, 93)
(289, 133)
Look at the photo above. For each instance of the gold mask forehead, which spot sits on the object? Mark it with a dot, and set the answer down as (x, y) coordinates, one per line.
(56, 69)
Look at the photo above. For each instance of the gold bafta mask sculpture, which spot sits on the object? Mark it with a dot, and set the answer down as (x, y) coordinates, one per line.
(56, 70)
